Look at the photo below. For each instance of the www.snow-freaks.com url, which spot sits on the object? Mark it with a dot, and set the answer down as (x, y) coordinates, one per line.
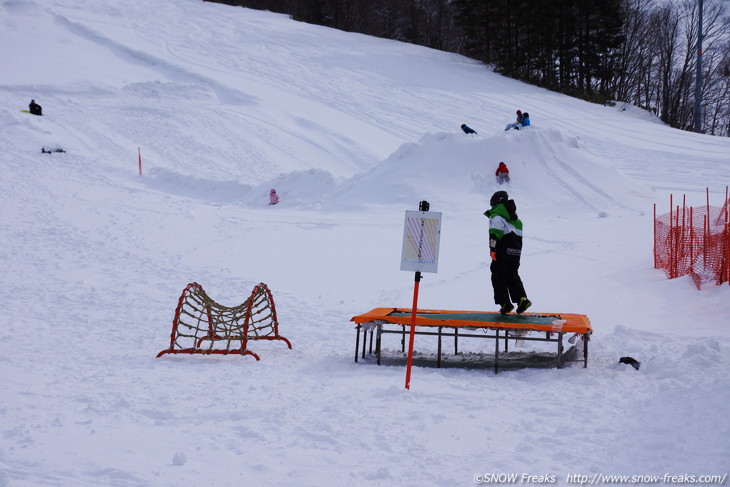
(599, 478)
(667, 478)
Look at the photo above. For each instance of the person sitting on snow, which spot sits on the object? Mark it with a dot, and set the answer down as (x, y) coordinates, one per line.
(467, 129)
(273, 197)
(35, 108)
(525, 119)
(502, 173)
(518, 122)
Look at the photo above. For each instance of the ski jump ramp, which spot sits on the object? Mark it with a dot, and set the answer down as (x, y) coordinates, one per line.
(544, 327)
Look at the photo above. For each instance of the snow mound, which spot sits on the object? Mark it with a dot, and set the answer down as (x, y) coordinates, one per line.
(549, 169)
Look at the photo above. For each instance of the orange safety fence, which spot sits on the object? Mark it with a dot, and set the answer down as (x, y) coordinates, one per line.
(694, 241)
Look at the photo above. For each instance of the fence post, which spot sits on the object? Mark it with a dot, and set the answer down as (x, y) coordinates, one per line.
(670, 243)
(656, 264)
(727, 235)
(691, 234)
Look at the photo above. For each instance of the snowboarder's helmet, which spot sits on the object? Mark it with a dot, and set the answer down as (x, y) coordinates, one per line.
(273, 191)
(499, 197)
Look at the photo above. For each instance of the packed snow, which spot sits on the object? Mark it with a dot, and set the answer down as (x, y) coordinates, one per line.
(223, 104)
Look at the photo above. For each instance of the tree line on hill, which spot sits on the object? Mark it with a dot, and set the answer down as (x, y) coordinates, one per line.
(642, 52)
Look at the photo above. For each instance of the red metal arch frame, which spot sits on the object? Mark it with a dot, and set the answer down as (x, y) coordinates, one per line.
(211, 334)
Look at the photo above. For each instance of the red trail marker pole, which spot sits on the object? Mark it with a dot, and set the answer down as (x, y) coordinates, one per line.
(139, 157)
(414, 309)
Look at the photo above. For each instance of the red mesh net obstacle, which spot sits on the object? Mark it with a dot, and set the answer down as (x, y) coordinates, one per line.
(694, 241)
(203, 326)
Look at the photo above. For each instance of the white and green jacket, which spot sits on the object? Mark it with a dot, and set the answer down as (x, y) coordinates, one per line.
(505, 231)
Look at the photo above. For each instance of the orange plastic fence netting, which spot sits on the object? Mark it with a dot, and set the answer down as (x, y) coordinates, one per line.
(694, 241)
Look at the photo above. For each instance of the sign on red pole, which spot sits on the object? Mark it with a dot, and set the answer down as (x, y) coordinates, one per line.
(421, 239)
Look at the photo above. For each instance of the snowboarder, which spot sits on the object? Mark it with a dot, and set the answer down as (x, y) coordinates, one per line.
(505, 248)
(468, 130)
(273, 197)
(35, 108)
(518, 122)
(502, 173)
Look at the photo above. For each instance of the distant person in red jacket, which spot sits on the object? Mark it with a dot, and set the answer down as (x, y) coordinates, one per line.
(273, 197)
(502, 173)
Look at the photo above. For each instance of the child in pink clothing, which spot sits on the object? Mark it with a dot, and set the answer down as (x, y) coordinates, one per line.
(273, 197)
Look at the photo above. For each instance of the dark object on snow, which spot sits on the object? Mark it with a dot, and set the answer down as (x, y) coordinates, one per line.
(45, 150)
(630, 361)
(35, 108)
(467, 129)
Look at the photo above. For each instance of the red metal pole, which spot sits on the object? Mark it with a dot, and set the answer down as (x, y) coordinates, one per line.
(682, 236)
(139, 156)
(655, 262)
(676, 243)
(727, 251)
(707, 193)
(413, 329)
(727, 235)
(691, 234)
(670, 237)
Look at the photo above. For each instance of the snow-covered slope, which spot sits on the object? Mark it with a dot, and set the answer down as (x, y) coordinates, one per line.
(225, 103)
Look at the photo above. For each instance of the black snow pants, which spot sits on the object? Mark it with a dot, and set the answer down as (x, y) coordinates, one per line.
(506, 281)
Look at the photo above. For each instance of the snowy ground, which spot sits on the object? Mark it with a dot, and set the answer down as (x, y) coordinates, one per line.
(225, 103)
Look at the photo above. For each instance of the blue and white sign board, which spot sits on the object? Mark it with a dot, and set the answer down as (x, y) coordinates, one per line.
(421, 238)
